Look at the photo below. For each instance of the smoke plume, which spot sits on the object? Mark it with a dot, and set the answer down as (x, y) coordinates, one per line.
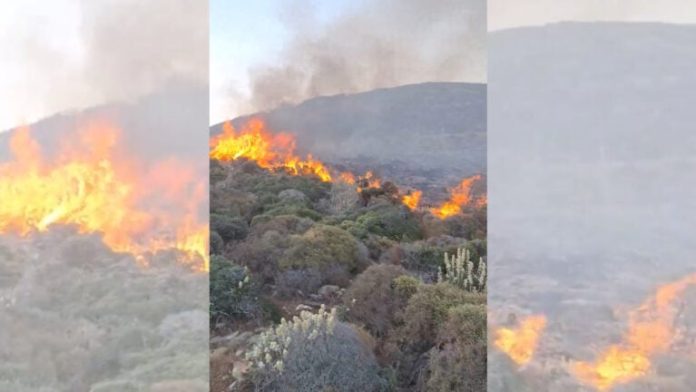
(383, 44)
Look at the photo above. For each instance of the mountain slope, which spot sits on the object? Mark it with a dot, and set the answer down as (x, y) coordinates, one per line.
(427, 125)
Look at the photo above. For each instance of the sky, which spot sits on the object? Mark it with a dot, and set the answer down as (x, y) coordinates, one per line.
(247, 34)
(504, 14)
(66, 55)
(50, 27)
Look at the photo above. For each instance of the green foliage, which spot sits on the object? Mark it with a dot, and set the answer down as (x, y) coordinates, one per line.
(322, 246)
(232, 294)
(459, 361)
(217, 244)
(373, 299)
(405, 286)
(292, 209)
(459, 270)
(314, 353)
(428, 308)
(230, 228)
(391, 221)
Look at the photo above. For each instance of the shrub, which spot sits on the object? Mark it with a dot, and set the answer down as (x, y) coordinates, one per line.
(459, 270)
(428, 308)
(391, 221)
(373, 298)
(459, 362)
(228, 227)
(313, 353)
(232, 294)
(322, 246)
(217, 245)
(405, 286)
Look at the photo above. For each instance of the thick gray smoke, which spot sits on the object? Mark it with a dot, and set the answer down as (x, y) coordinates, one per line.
(74, 54)
(381, 44)
(135, 48)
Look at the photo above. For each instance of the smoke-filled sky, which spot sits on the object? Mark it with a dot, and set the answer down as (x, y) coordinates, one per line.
(516, 13)
(71, 54)
(273, 52)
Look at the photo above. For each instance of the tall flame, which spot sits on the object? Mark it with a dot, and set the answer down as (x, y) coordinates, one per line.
(97, 193)
(270, 151)
(460, 196)
(520, 343)
(651, 331)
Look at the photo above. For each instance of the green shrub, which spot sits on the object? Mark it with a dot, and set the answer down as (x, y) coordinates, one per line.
(230, 228)
(373, 299)
(391, 221)
(313, 353)
(322, 246)
(405, 286)
(428, 308)
(232, 293)
(217, 244)
(459, 361)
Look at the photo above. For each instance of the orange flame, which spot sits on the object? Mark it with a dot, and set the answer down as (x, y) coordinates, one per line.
(412, 199)
(96, 193)
(460, 196)
(269, 151)
(651, 331)
(520, 343)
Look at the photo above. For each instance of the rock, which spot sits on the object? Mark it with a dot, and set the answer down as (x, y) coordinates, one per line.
(329, 291)
(302, 307)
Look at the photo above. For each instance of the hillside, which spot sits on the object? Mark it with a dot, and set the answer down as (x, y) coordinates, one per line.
(591, 176)
(429, 125)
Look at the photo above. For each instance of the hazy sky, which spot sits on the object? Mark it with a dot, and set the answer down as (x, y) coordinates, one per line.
(271, 52)
(515, 13)
(71, 54)
(247, 34)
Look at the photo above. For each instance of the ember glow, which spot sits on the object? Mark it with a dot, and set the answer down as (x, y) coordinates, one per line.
(270, 151)
(651, 331)
(96, 192)
(520, 343)
(460, 196)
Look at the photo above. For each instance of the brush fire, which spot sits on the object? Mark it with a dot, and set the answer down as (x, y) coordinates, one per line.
(276, 151)
(520, 343)
(651, 331)
(91, 187)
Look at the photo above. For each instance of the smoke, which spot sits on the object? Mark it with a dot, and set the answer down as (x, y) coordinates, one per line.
(74, 54)
(383, 44)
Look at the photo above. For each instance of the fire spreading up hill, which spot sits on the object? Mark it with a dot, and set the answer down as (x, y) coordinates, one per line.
(276, 151)
(90, 186)
(652, 330)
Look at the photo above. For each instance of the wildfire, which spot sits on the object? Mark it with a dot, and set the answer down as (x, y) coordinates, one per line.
(412, 199)
(460, 196)
(98, 193)
(521, 342)
(651, 331)
(270, 151)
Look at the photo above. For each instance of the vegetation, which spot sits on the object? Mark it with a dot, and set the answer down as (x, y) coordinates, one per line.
(390, 308)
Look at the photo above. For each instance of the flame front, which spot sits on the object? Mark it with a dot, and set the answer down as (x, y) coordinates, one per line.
(460, 196)
(412, 199)
(651, 331)
(96, 193)
(270, 151)
(520, 343)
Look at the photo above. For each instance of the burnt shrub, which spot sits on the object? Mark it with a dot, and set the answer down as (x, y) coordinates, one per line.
(373, 299)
